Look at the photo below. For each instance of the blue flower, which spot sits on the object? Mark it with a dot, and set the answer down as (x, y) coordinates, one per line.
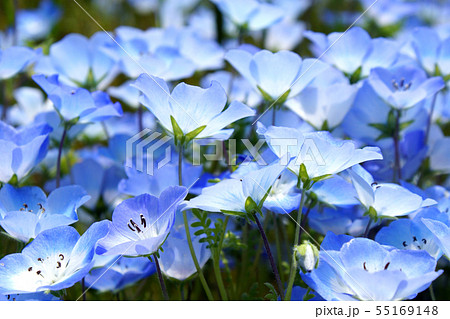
(412, 233)
(354, 50)
(280, 75)
(231, 195)
(194, 110)
(432, 51)
(325, 101)
(37, 23)
(283, 196)
(15, 59)
(39, 296)
(140, 225)
(176, 261)
(77, 104)
(22, 149)
(320, 152)
(353, 269)
(79, 61)
(30, 103)
(25, 212)
(339, 220)
(441, 233)
(387, 199)
(404, 86)
(138, 183)
(119, 273)
(251, 14)
(56, 259)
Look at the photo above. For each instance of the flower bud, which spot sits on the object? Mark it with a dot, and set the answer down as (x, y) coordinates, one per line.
(307, 256)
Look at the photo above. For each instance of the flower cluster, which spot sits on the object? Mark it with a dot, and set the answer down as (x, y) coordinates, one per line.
(228, 148)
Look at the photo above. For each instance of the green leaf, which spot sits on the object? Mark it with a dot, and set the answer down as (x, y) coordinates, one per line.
(199, 232)
(196, 224)
(191, 135)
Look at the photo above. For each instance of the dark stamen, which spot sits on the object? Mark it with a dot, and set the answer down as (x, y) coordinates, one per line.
(132, 229)
(61, 256)
(135, 226)
(404, 244)
(143, 221)
(41, 260)
(30, 269)
(364, 265)
(424, 241)
(414, 238)
(387, 265)
(58, 264)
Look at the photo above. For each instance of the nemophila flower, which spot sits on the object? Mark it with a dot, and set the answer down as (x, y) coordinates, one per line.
(232, 195)
(280, 75)
(78, 104)
(191, 112)
(140, 225)
(56, 259)
(119, 273)
(15, 59)
(99, 181)
(138, 182)
(354, 52)
(126, 93)
(403, 87)
(335, 191)
(389, 13)
(369, 110)
(441, 233)
(25, 212)
(325, 101)
(176, 261)
(80, 61)
(40, 296)
(339, 220)
(30, 102)
(237, 88)
(387, 199)
(22, 149)
(320, 153)
(439, 155)
(412, 233)
(252, 14)
(432, 51)
(353, 269)
(283, 196)
(412, 150)
(36, 24)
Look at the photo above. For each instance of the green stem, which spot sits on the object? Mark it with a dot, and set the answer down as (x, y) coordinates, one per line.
(188, 233)
(194, 258)
(278, 246)
(366, 232)
(397, 165)
(433, 297)
(296, 242)
(269, 254)
(216, 263)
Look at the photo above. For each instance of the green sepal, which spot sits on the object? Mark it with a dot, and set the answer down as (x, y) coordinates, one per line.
(177, 132)
(251, 206)
(264, 94)
(233, 213)
(191, 135)
(356, 76)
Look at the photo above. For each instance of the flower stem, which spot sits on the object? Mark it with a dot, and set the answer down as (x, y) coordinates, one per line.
(271, 260)
(83, 289)
(366, 232)
(58, 161)
(278, 245)
(397, 166)
(216, 263)
(161, 279)
(296, 242)
(188, 233)
(430, 118)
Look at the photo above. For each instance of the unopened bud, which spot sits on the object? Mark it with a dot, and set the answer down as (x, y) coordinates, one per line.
(307, 256)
